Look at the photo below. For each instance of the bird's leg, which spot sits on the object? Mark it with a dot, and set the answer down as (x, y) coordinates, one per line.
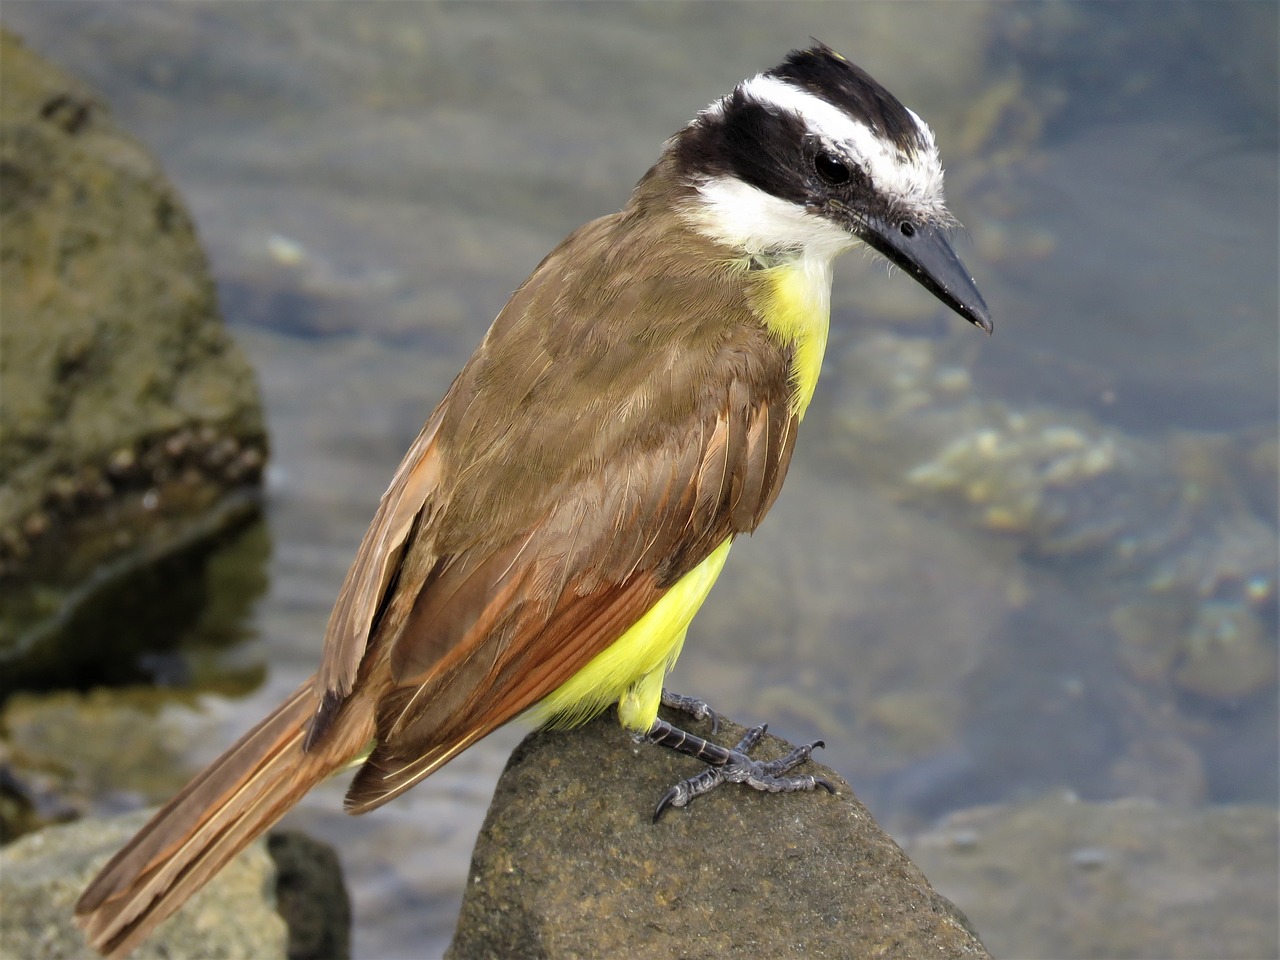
(731, 765)
(698, 709)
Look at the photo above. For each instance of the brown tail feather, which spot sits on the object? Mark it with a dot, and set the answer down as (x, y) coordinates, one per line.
(213, 818)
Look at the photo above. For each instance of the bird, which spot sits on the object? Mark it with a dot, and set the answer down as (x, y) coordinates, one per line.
(567, 507)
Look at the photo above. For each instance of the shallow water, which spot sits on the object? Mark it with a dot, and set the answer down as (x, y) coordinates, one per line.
(371, 180)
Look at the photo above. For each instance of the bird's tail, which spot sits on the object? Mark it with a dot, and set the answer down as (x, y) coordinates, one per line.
(213, 818)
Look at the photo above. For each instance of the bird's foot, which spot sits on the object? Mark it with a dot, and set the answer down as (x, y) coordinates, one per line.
(732, 766)
(698, 709)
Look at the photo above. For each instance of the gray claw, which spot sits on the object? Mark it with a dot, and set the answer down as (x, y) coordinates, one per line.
(738, 767)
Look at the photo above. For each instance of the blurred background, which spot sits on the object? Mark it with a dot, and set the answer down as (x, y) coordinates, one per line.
(1011, 579)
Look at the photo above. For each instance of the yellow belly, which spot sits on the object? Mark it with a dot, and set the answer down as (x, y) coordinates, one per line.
(630, 671)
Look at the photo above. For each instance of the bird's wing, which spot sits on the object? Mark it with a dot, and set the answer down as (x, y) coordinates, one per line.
(490, 633)
(623, 417)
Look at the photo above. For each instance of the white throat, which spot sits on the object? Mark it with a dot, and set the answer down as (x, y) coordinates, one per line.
(746, 219)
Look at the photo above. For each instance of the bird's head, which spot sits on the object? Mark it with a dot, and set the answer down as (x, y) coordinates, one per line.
(811, 157)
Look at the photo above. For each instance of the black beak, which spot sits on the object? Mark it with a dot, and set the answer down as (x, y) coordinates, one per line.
(924, 253)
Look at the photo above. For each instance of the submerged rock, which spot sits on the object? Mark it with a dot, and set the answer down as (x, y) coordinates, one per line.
(1169, 535)
(1059, 877)
(570, 864)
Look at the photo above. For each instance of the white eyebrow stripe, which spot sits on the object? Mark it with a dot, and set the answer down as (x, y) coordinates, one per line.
(914, 180)
(825, 119)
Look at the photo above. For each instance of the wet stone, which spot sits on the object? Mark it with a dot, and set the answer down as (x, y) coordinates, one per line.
(570, 864)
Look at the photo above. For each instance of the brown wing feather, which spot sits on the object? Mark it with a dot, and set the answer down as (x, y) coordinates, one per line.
(447, 726)
(527, 639)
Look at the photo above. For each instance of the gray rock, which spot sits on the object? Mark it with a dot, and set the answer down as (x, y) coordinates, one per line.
(130, 424)
(569, 864)
(42, 875)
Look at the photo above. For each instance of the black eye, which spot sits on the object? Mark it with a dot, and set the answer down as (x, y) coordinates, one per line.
(830, 169)
(908, 228)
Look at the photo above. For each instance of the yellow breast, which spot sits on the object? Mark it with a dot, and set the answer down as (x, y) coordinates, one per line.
(796, 308)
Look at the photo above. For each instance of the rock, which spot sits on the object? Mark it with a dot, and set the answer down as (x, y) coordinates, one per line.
(131, 431)
(570, 864)
(42, 875)
(311, 896)
(1059, 877)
